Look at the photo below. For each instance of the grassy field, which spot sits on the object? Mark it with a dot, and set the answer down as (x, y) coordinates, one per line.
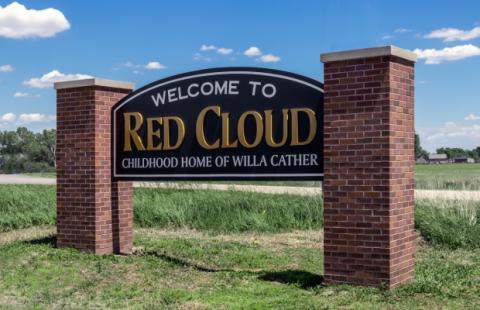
(193, 270)
(223, 250)
(448, 176)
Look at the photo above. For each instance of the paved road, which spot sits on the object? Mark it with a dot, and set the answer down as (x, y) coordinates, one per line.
(304, 191)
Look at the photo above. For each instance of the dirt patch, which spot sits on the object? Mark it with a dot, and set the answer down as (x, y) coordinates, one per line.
(27, 234)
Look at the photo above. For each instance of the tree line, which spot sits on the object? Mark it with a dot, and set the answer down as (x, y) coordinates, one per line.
(451, 152)
(25, 151)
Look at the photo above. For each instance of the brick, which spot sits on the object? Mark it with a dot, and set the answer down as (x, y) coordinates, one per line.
(94, 214)
(368, 186)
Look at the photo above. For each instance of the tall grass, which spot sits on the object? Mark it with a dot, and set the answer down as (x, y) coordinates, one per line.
(226, 211)
(452, 224)
(26, 205)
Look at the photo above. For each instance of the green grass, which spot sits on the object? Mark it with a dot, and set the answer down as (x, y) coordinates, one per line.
(247, 251)
(30, 205)
(225, 211)
(452, 224)
(448, 176)
(192, 270)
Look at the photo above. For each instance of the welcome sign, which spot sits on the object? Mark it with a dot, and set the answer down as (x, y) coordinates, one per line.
(224, 123)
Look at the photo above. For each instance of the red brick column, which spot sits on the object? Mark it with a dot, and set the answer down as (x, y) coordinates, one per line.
(369, 161)
(94, 214)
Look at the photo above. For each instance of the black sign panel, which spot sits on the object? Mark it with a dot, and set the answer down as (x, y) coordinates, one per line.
(224, 123)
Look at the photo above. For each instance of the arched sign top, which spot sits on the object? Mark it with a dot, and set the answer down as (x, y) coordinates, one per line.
(221, 123)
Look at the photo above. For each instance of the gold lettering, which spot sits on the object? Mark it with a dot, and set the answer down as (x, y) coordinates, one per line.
(226, 132)
(166, 132)
(241, 129)
(312, 129)
(269, 128)
(151, 134)
(132, 134)
(199, 129)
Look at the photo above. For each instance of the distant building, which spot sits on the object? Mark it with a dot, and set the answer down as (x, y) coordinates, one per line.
(463, 159)
(421, 160)
(437, 158)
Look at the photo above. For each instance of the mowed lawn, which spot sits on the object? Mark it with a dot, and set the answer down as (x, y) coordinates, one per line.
(223, 250)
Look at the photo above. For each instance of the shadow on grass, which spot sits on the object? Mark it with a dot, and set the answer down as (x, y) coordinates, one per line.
(303, 279)
(49, 240)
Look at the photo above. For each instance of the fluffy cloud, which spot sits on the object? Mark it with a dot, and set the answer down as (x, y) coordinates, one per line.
(434, 56)
(36, 117)
(205, 47)
(224, 51)
(220, 50)
(8, 117)
(154, 65)
(472, 117)
(51, 77)
(454, 34)
(387, 37)
(402, 30)
(18, 22)
(6, 68)
(269, 58)
(451, 134)
(255, 52)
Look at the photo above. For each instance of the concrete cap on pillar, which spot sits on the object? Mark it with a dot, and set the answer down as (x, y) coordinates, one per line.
(388, 50)
(94, 82)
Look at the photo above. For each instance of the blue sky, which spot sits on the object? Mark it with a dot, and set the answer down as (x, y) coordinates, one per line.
(142, 41)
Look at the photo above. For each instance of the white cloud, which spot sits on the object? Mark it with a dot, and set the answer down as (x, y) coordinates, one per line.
(269, 58)
(205, 47)
(154, 65)
(472, 117)
(51, 77)
(451, 129)
(8, 117)
(220, 50)
(224, 51)
(387, 37)
(23, 95)
(253, 51)
(20, 94)
(402, 30)
(434, 56)
(450, 134)
(454, 34)
(6, 68)
(18, 22)
(36, 117)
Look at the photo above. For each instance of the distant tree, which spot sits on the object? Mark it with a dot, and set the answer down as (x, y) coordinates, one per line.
(452, 152)
(25, 151)
(419, 151)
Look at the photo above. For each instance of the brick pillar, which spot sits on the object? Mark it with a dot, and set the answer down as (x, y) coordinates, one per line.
(94, 214)
(369, 162)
